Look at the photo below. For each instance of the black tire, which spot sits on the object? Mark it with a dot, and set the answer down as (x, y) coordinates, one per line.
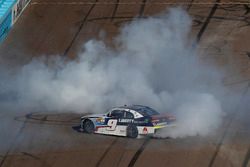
(88, 126)
(132, 131)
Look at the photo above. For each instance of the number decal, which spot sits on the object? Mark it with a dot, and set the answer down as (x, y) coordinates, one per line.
(112, 124)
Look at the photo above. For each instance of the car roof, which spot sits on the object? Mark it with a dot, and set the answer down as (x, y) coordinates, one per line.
(133, 107)
(142, 110)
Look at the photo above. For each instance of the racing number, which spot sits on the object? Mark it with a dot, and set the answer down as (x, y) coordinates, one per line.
(112, 124)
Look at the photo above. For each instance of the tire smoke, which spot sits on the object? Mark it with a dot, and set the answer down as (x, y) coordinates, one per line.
(153, 63)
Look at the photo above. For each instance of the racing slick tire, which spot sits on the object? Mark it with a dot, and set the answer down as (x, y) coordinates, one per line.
(132, 131)
(88, 126)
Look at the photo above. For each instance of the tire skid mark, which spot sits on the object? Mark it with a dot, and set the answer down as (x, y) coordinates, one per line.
(142, 8)
(43, 162)
(40, 118)
(115, 17)
(237, 82)
(204, 26)
(123, 152)
(190, 5)
(247, 8)
(120, 159)
(232, 7)
(202, 30)
(33, 116)
(247, 159)
(138, 153)
(248, 54)
(80, 28)
(115, 10)
(243, 19)
(106, 151)
(12, 143)
(227, 128)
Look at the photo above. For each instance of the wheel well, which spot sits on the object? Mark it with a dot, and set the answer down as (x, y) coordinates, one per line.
(87, 119)
(133, 126)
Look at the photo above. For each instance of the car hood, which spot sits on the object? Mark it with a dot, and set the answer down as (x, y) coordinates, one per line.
(93, 116)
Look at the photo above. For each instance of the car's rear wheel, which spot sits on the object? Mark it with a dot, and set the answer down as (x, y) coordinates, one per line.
(88, 126)
(132, 131)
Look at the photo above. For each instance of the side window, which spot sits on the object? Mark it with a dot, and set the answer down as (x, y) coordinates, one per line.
(128, 115)
(117, 114)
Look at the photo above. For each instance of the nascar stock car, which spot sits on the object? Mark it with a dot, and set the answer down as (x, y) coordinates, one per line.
(129, 121)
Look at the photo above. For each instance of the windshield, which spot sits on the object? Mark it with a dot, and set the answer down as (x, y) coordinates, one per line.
(147, 111)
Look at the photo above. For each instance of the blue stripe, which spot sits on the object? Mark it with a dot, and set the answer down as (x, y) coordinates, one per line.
(5, 17)
(5, 26)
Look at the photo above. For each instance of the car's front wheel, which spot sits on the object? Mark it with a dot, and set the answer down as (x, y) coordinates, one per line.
(88, 126)
(132, 131)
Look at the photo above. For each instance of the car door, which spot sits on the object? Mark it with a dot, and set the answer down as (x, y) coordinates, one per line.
(113, 119)
(114, 126)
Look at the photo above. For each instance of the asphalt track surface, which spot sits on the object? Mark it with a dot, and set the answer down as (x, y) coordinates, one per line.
(51, 27)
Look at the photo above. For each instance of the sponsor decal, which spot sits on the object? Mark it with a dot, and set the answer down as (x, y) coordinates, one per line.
(160, 124)
(139, 122)
(112, 124)
(100, 120)
(125, 120)
(145, 131)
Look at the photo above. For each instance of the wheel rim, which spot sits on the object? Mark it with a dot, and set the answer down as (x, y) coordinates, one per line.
(88, 126)
(132, 132)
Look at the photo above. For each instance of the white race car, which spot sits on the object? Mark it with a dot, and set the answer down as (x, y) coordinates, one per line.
(129, 121)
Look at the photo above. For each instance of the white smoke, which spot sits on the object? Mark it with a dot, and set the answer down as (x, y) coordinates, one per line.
(154, 63)
(197, 114)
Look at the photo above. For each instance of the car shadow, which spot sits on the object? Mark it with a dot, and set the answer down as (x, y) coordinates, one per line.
(77, 128)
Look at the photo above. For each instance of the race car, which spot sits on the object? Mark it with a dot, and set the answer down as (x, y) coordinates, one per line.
(129, 121)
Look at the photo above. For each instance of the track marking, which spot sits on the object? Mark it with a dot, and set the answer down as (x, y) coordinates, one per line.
(138, 153)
